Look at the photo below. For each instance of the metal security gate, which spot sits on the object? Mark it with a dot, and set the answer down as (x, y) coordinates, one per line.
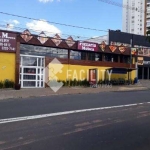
(32, 71)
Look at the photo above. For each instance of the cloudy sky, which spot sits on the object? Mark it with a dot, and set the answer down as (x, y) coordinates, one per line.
(86, 13)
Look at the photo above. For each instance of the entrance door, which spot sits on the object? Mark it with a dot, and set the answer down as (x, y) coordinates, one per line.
(32, 71)
(93, 76)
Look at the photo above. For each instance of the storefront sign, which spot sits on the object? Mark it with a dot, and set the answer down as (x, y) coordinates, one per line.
(146, 52)
(122, 49)
(57, 39)
(119, 44)
(140, 60)
(70, 42)
(87, 46)
(103, 46)
(140, 52)
(42, 37)
(26, 35)
(113, 48)
(133, 51)
(7, 41)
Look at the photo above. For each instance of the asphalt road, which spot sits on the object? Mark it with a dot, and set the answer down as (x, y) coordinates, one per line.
(44, 105)
(113, 129)
(125, 128)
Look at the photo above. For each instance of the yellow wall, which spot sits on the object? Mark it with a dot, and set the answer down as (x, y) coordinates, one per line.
(78, 72)
(7, 66)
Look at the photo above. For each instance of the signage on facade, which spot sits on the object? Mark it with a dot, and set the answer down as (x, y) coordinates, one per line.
(140, 60)
(119, 44)
(103, 46)
(42, 37)
(7, 41)
(26, 35)
(70, 42)
(144, 52)
(122, 49)
(112, 48)
(57, 39)
(133, 51)
(87, 46)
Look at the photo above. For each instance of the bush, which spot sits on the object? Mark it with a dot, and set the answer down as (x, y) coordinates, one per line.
(1, 84)
(8, 84)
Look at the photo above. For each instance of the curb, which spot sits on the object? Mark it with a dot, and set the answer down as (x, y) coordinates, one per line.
(77, 93)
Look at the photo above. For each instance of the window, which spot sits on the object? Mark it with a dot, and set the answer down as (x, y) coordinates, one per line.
(107, 57)
(98, 57)
(124, 59)
(29, 61)
(94, 56)
(91, 56)
(115, 58)
(43, 51)
(75, 55)
(83, 55)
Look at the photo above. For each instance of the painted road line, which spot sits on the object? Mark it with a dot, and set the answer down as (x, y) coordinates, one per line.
(9, 120)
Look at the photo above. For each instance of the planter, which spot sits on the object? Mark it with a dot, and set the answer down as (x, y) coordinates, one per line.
(17, 86)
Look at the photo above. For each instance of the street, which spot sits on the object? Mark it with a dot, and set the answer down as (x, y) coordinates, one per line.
(121, 122)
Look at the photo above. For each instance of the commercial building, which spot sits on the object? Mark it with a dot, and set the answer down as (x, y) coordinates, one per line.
(142, 47)
(139, 43)
(24, 57)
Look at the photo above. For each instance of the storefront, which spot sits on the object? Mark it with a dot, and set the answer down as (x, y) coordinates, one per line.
(144, 68)
(31, 54)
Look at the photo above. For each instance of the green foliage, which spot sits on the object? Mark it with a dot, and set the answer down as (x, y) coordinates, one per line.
(85, 83)
(75, 82)
(1, 84)
(7, 84)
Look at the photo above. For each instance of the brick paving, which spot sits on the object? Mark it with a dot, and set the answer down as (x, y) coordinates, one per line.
(25, 93)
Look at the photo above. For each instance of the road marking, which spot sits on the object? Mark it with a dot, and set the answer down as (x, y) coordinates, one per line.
(9, 120)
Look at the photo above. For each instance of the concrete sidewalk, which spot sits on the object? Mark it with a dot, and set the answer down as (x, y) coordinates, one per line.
(25, 93)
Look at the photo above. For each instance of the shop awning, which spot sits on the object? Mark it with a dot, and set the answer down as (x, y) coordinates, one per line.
(116, 70)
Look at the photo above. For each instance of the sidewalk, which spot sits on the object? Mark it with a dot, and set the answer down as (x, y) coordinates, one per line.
(25, 93)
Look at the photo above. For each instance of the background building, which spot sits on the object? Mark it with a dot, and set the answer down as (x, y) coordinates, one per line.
(119, 38)
(134, 16)
(148, 13)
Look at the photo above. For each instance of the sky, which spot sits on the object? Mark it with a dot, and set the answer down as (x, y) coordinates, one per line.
(86, 13)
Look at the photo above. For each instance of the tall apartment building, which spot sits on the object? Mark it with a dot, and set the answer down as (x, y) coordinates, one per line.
(134, 20)
(147, 13)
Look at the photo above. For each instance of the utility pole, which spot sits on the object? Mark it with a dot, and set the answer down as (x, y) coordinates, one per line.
(131, 43)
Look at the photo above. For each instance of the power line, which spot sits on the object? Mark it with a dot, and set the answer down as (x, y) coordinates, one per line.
(121, 5)
(62, 24)
(77, 36)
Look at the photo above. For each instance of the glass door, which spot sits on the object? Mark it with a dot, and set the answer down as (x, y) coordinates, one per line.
(32, 71)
